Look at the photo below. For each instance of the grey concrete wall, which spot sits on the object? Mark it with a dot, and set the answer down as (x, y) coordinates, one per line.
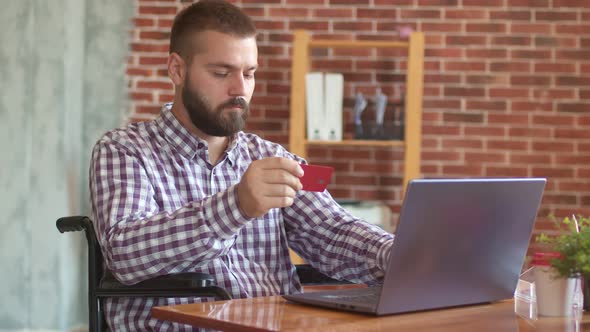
(62, 84)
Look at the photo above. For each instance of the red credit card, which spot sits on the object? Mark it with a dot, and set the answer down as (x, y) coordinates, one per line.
(316, 178)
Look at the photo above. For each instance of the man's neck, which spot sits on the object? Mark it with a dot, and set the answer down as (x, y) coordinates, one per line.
(216, 144)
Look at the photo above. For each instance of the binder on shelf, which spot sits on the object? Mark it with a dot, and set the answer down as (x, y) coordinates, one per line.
(333, 93)
(316, 117)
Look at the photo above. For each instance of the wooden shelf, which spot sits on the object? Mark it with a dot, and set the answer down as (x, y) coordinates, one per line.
(301, 65)
(355, 142)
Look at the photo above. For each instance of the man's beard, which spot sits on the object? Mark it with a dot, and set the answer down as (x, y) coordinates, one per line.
(212, 121)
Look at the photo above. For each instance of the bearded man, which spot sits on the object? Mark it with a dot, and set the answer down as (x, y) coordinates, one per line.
(191, 192)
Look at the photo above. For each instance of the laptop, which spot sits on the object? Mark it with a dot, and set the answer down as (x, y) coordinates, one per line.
(458, 242)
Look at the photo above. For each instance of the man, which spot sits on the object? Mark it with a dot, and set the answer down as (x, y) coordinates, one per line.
(191, 192)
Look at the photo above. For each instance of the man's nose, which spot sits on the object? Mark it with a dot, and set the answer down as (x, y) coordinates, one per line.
(237, 85)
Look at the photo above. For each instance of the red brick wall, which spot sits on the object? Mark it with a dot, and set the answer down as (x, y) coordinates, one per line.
(507, 86)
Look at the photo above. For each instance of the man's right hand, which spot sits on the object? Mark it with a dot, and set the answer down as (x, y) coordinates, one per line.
(268, 183)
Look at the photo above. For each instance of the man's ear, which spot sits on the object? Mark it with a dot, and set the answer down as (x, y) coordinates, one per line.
(176, 68)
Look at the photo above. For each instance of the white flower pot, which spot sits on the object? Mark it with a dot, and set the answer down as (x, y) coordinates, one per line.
(555, 294)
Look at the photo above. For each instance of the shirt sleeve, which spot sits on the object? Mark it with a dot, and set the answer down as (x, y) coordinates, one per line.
(140, 241)
(335, 242)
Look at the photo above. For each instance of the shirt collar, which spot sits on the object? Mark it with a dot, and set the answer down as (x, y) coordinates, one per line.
(183, 141)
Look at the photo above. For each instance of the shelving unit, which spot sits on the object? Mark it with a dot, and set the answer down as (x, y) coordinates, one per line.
(298, 143)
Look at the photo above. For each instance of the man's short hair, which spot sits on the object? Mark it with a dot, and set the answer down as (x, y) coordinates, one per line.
(215, 15)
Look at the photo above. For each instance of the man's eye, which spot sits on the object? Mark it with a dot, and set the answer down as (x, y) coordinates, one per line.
(220, 74)
(249, 75)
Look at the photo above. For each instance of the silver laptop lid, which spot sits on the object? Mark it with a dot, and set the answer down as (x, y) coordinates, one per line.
(459, 242)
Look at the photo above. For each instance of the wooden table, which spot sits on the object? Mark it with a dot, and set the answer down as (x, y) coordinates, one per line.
(276, 314)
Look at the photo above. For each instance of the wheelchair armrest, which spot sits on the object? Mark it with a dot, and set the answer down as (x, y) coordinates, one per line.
(308, 275)
(172, 285)
(177, 285)
(170, 281)
(73, 224)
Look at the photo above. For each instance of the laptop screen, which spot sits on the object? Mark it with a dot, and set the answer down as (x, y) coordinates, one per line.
(460, 241)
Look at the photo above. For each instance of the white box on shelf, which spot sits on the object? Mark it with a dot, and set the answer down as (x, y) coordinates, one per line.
(333, 93)
(315, 105)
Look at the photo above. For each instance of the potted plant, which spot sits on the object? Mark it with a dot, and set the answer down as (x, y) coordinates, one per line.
(572, 247)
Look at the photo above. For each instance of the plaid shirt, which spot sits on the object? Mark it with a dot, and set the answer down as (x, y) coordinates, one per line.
(161, 207)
